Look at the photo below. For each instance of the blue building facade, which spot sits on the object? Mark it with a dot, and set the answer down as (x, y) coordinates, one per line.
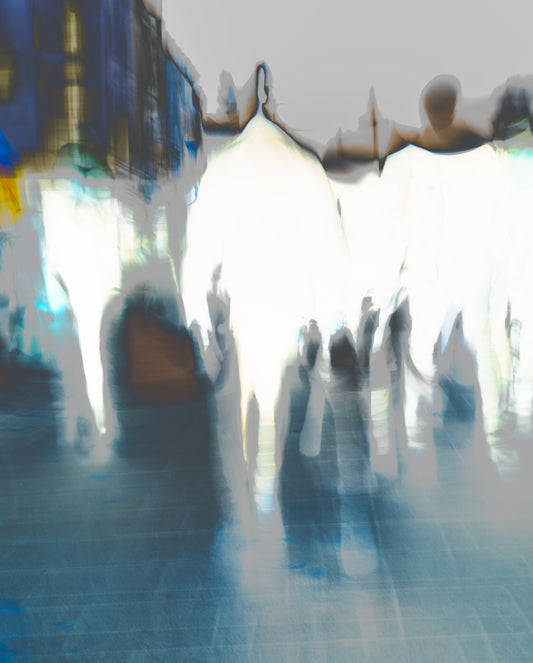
(94, 72)
(18, 84)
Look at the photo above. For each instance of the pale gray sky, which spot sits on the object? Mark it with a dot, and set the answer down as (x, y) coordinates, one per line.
(324, 56)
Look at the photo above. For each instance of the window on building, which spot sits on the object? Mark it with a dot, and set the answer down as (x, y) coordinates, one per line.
(7, 75)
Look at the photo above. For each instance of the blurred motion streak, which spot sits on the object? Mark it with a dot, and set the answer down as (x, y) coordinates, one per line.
(123, 203)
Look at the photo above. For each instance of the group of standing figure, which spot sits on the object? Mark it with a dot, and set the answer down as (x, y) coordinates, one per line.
(324, 435)
(323, 430)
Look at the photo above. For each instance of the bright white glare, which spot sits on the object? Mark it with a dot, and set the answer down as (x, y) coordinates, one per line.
(266, 211)
(129, 240)
(460, 225)
(516, 261)
(82, 247)
(453, 230)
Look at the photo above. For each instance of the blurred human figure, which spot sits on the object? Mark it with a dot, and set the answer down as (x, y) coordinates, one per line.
(351, 414)
(284, 254)
(442, 130)
(222, 367)
(309, 475)
(364, 346)
(366, 332)
(445, 127)
(514, 255)
(462, 410)
(457, 379)
(513, 327)
(43, 331)
(396, 344)
(253, 416)
(22, 278)
(176, 196)
(81, 228)
(148, 355)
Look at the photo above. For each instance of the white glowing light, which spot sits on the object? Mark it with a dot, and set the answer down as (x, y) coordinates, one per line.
(460, 225)
(453, 230)
(432, 224)
(266, 211)
(82, 247)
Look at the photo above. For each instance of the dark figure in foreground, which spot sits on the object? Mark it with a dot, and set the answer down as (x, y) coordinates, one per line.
(160, 395)
(351, 414)
(308, 480)
(222, 367)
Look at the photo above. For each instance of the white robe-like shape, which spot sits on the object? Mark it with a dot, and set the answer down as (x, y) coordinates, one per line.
(82, 247)
(515, 265)
(430, 224)
(266, 211)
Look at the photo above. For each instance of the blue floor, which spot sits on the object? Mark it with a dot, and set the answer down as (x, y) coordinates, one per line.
(117, 560)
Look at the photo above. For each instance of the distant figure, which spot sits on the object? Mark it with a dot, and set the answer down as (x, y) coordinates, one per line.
(457, 378)
(308, 479)
(443, 131)
(396, 343)
(282, 244)
(351, 414)
(368, 326)
(513, 327)
(253, 416)
(222, 367)
(463, 418)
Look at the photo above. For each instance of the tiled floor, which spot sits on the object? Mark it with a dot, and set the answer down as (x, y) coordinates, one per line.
(113, 560)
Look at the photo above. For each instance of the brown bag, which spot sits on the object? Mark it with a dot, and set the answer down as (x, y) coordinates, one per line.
(161, 362)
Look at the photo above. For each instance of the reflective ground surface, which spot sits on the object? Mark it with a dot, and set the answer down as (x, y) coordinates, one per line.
(119, 559)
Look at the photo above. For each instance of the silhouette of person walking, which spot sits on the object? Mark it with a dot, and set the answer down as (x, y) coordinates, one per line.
(396, 342)
(308, 481)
